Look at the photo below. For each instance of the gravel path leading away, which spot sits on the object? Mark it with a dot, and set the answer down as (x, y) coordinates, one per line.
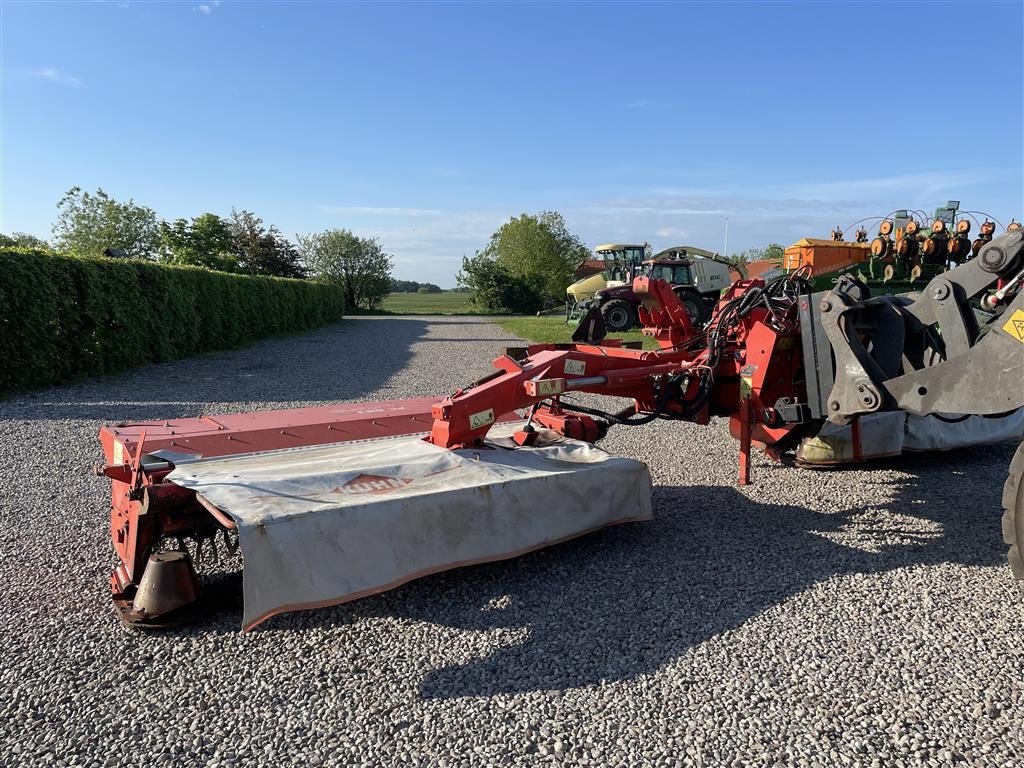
(859, 617)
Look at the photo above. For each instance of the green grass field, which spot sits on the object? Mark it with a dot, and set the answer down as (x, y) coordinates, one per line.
(553, 329)
(427, 304)
(550, 328)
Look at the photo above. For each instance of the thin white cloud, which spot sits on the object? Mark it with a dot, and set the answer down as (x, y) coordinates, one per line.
(428, 244)
(58, 76)
(639, 103)
(925, 184)
(206, 8)
(379, 211)
(672, 232)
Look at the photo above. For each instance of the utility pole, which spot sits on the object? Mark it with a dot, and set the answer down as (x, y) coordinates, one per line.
(726, 254)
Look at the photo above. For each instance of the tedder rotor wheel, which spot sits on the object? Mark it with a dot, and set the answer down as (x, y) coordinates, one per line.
(618, 314)
(1013, 513)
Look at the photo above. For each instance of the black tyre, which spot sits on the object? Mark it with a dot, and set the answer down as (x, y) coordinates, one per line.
(1013, 513)
(695, 308)
(619, 315)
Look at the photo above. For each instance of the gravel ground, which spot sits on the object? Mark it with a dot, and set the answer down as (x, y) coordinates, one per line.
(859, 617)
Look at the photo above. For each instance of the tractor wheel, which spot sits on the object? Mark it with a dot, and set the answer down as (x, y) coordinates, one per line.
(1013, 513)
(619, 315)
(694, 306)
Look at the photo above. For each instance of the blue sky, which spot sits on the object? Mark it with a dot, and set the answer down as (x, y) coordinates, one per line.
(427, 125)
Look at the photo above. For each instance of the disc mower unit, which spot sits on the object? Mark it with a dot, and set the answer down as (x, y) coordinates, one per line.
(330, 504)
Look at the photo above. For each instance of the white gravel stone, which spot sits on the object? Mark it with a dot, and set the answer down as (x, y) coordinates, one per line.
(852, 617)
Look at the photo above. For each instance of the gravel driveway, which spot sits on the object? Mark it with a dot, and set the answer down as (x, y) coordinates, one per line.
(815, 618)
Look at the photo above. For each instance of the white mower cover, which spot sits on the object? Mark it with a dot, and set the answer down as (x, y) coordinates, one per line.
(328, 524)
(893, 432)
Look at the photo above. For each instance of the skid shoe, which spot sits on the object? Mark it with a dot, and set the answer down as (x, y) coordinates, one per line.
(168, 594)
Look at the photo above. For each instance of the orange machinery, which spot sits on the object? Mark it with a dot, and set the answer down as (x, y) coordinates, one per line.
(825, 256)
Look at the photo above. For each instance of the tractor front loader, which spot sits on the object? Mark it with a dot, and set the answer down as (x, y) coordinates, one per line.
(330, 504)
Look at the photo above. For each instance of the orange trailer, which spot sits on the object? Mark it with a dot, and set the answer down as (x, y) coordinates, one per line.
(825, 256)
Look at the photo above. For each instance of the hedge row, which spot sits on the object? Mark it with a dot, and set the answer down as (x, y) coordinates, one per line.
(64, 318)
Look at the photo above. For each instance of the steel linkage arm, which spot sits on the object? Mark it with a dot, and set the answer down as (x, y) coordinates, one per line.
(549, 371)
(988, 378)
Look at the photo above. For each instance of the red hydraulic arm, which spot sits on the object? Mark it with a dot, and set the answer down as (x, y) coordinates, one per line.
(740, 368)
(551, 370)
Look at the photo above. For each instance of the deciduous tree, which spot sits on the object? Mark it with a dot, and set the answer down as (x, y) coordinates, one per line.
(88, 224)
(260, 250)
(359, 264)
(540, 250)
(206, 241)
(493, 287)
(23, 240)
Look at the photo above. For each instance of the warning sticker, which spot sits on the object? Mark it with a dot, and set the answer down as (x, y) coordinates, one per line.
(575, 367)
(1015, 325)
(481, 419)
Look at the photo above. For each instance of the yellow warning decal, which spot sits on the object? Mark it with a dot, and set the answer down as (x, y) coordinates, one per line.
(1015, 325)
(481, 419)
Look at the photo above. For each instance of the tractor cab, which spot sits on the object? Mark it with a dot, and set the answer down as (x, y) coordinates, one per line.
(674, 273)
(621, 261)
(619, 264)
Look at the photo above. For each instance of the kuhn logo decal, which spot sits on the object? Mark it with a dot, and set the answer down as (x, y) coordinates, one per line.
(372, 484)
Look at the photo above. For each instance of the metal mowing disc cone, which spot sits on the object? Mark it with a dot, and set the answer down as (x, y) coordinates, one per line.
(168, 583)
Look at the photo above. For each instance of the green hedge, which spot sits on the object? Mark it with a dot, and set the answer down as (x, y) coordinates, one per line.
(64, 318)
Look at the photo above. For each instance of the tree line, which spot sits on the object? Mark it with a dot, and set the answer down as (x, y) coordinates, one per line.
(771, 252)
(411, 286)
(525, 267)
(95, 224)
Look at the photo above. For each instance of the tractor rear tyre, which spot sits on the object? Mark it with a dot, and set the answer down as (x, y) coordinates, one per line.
(619, 315)
(694, 306)
(1013, 513)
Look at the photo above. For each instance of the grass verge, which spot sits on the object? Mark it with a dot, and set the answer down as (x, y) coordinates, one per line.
(554, 330)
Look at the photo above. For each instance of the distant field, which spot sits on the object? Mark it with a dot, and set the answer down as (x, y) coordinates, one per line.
(554, 329)
(551, 328)
(428, 304)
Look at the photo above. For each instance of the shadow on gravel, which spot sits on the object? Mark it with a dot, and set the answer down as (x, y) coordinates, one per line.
(464, 339)
(321, 365)
(627, 600)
